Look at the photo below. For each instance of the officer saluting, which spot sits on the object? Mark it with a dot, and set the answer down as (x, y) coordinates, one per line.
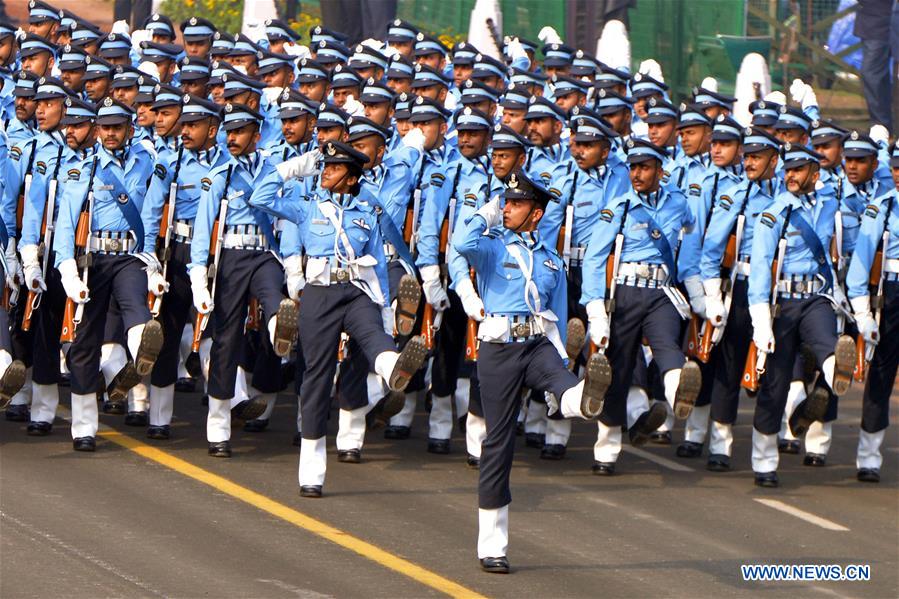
(99, 215)
(877, 317)
(790, 274)
(345, 289)
(522, 283)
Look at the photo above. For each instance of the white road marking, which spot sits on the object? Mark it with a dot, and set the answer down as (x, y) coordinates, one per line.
(298, 591)
(664, 462)
(78, 553)
(802, 514)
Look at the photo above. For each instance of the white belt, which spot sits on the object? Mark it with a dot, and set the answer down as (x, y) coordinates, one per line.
(112, 242)
(320, 272)
(505, 329)
(891, 265)
(642, 274)
(183, 229)
(243, 241)
(390, 252)
(742, 269)
(799, 286)
(578, 253)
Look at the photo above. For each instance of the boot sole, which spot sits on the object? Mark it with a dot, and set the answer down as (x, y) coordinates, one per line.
(286, 323)
(149, 348)
(687, 390)
(816, 405)
(122, 382)
(655, 418)
(250, 411)
(410, 360)
(12, 382)
(577, 336)
(596, 383)
(844, 364)
(393, 404)
(408, 298)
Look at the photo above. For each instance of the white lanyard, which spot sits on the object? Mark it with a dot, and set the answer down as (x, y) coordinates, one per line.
(531, 293)
(335, 215)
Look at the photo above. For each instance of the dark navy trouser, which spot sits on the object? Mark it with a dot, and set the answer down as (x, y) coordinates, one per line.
(882, 371)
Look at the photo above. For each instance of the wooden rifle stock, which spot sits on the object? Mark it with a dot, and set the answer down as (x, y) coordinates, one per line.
(693, 336)
(253, 315)
(68, 323)
(198, 333)
(164, 225)
(704, 351)
(560, 242)
(861, 364)
(427, 326)
(408, 225)
(29, 310)
(729, 259)
(750, 380)
(82, 234)
(876, 268)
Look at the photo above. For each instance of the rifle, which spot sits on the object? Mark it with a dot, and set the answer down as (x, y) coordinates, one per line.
(613, 262)
(26, 187)
(217, 238)
(864, 351)
(47, 227)
(711, 334)
(471, 336)
(755, 359)
(72, 314)
(154, 302)
(696, 325)
(410, 227)
(563, 246)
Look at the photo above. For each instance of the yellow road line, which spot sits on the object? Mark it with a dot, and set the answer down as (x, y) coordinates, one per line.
(307, 523)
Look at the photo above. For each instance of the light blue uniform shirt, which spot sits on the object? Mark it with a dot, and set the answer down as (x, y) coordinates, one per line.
(870, 235)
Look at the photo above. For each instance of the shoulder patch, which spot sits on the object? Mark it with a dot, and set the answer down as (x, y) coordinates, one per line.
(437, 179)
(205, 183)
(15, 153)
(606, 215)
(41, 167)
(74, 174)
(872, 211)
(545, 175)
(695, 189)
(768, 219)
(555, 191)
(160, 171)
(725, 202)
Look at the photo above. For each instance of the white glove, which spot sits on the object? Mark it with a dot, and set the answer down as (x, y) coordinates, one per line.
(491, 212)
(710, 83)
(272, 94)
(599, 323)
(149, 68)
(298, 50)
(150, 259)
(300, 166)
(653, 69)
(515, 50)
(202, 299)
(762, 333)
(777, 98)
(293, 269)
(121, 27)
(373, 43)
(156, 283)
(353, 106)
(714, 306)
(880, 134)
(697, 295)
(388, 320)
(803, 94)
(13, 269)
(548, 35)
(415, 139)
(34, 278)
(435, 294)
(138, 36)
(72, 283)
(471, 303)
(451, 103)
(864, 320)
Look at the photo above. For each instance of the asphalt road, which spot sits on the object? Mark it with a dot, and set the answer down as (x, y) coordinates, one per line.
(127, 523)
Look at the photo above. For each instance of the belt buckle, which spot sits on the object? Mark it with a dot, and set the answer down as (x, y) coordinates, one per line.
(248, 240)
(801, 287)
(342, 276)
(113, 244)
(521, 329)
(642, 271)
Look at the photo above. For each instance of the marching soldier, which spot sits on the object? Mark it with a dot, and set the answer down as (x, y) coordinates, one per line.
(522, 283)
(170, 208)
(875, 307)
(726, 302)
(100, 258)
(545, 122)
(629, 292)
(231, 248)
(790, 276)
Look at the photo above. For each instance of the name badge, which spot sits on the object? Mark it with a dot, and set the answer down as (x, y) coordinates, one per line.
(640, 226)
(105, 188)
(320, 221)
(187, 186)
(235, 195)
